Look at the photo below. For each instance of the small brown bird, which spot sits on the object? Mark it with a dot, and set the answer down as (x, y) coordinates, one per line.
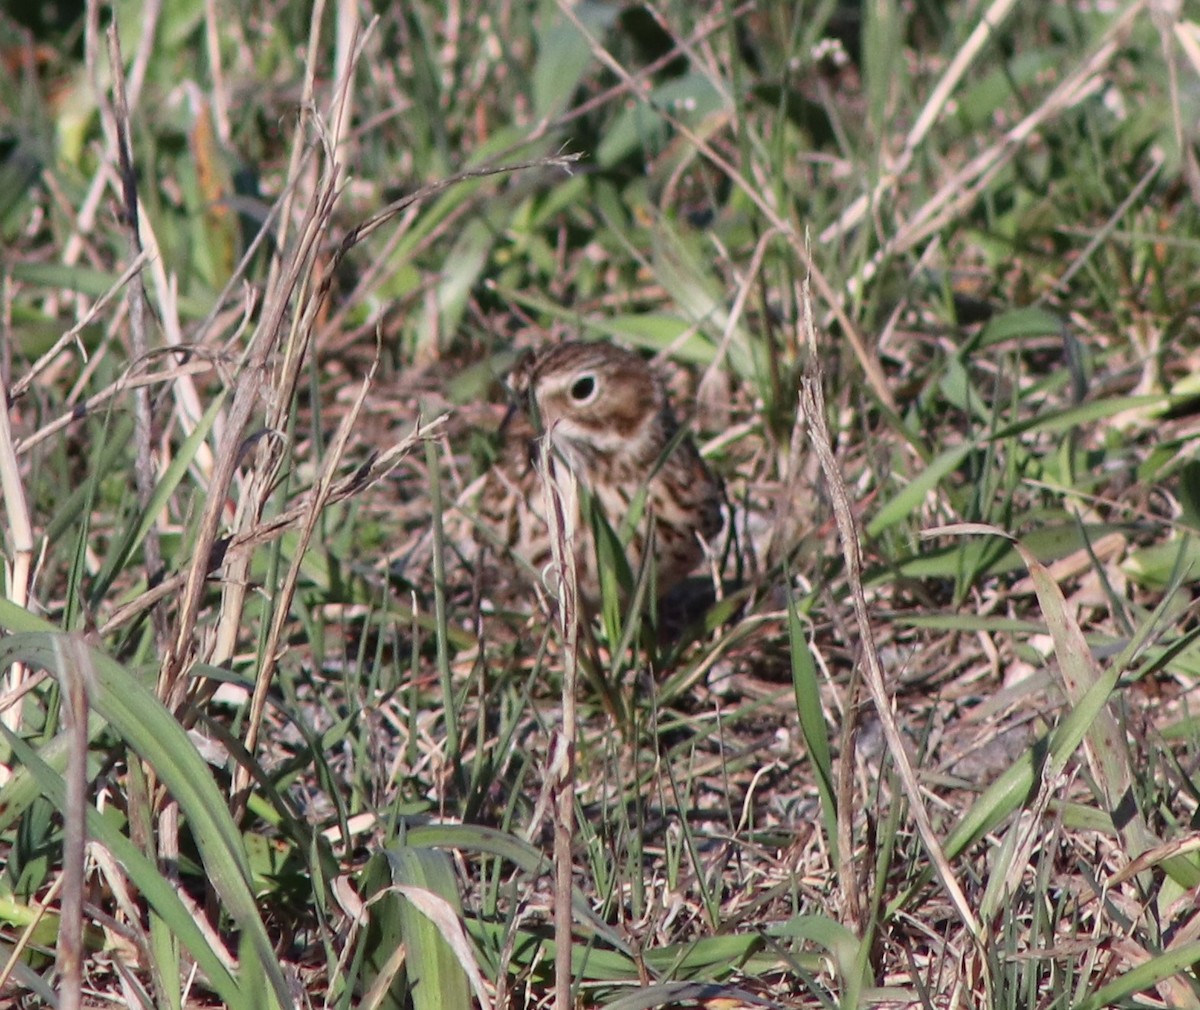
(610, 422)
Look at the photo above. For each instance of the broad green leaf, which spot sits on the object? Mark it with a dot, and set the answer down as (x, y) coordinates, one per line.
(564, 55)
(640, 126)
(1024, 322)
(433, 976)
(158, 891)
(150, 730)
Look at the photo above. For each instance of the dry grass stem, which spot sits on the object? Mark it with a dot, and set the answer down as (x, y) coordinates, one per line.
(866, 358)
(812, 404)
(561, 496)
(981, 35)
(282, 603)
(25, 939)
(266, 530)
(252, 385)
(32, 373)
(964, 187)
(18, 567)
(127, 381)
(135, 293)
(311, 288)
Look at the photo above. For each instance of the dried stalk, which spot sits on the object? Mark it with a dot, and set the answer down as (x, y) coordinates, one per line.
(19, 567)
(144, 472)
(812, 405)
(561, 494)
(317, 503)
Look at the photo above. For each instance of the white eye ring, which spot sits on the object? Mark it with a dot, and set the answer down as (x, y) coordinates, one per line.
(584, 389)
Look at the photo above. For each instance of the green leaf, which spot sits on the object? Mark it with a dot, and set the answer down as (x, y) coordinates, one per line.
(157, 890)
(641, 127)
(1144, 977)
(812, 722)
(149, 729)
(564, 55)
(92, 282)
(433, 974)
(1155, 567)
(910, 497)
(1017, 323)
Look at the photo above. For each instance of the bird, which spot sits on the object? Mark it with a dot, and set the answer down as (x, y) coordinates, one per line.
(608, 420)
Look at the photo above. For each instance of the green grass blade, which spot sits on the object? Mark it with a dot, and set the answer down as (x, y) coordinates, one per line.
(149, 729)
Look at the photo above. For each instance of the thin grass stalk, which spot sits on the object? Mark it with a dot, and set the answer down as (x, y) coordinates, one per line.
(31, 374)
(713, 22)
(963, 188)
(14, 964)
(249, 392)
(437, 529)
(1167, 19)
(219, 91)
(849, 879)
(286, 592)
(983, 33)
(262, 481)
(89, 404)
(271, 529)
(257, 489)
(299, 143)
(382, 217)
(189, 406)
(85, 219)
(255, 376)
(348, 39)
(708, 392)
(239, 272)
(19, 567)
(812, 405)
(561, 497)
(135, 294)
(1104, 233)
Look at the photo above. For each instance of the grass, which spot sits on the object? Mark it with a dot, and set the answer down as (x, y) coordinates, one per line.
(924, 278)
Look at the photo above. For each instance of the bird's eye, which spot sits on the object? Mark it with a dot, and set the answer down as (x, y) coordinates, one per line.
(584, 388)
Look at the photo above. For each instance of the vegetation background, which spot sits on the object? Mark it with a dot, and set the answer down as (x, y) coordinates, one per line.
(273, 737)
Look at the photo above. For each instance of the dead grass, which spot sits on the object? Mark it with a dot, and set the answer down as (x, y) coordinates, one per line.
(933, 744)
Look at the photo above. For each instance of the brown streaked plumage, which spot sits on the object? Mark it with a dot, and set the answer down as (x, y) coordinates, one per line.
(610, 422)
